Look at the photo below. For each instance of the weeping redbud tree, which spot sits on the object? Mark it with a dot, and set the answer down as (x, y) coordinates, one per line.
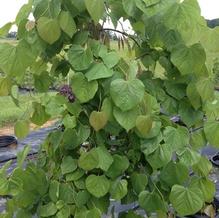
(118, 141)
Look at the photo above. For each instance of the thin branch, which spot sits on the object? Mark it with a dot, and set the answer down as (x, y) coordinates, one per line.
(123, 33)
(142, 55)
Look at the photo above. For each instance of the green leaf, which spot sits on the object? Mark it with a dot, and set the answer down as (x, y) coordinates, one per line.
(94, 213)
(48, 29)
(182, 15)
(188, 59)
(186, 201)
(119, 166)
(188, 115)
(67, 23)
(203, 167)
(207, 187)
(5, 29)
(107, 108)
(39, 116)
(21, 129)
(144, 124)
(211, 129)
(60, 204)
(64, 212)
(98, 120)
(198, 139)
(23, 13)
(139, 182)
(96, 158)
(129, 7)
(69, 121)
(75, 175)
(101, 203)
(66, 193)
(105, 158)
(176, 138)
(205, 88)
(178, 91)
(42, 82)
(98, 71)
(81, 37)
(193, 95)
(151, 202)
(127, 94)
(148, 146)
(47, 8)
(160, 157)
(23, 214)
(209, 39)
(82, 198)
(98, 186)
(81, 213)
(121, 117)
(189, 157)
(74, 108)
(83, 89)
(68, 165)
(54, 107)
(14, 60)
(75, 137)
(118, 189)
(89, 160)
(5, 86)
(95, 9)
(174, 173)
(54, 190)
(155, 130)
(80, 58)
(110, 59)
(21, 156)
(212, 109)
(47, 210)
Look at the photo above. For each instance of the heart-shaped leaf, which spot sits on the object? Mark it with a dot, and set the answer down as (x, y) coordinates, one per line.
(98, 186)
(80, 58)
(67, 23)
(119, 166)
(95, 9)
(126, 119)
(89, 160)
(98, 71)
(211, 129)
(22, 128)
(48, 29)
(118, 189)
(186, 200)
(98, 120)
(127, 94)
(68, 165)
(174, 173)
(83, 89)
(151, 202)
(188, 59)
(144, 124)
(139, 182)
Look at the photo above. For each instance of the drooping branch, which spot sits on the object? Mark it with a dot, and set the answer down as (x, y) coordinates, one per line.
(123, 33)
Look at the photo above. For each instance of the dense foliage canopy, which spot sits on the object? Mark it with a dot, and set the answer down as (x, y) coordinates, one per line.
(119, 141)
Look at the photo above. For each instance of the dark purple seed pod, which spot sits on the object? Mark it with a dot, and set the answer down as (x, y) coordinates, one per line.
(66, 91)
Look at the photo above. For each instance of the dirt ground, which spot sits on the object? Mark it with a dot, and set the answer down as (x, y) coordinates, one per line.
(9, 130)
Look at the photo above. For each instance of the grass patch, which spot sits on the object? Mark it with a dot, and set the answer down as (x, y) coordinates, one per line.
(10, 41)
